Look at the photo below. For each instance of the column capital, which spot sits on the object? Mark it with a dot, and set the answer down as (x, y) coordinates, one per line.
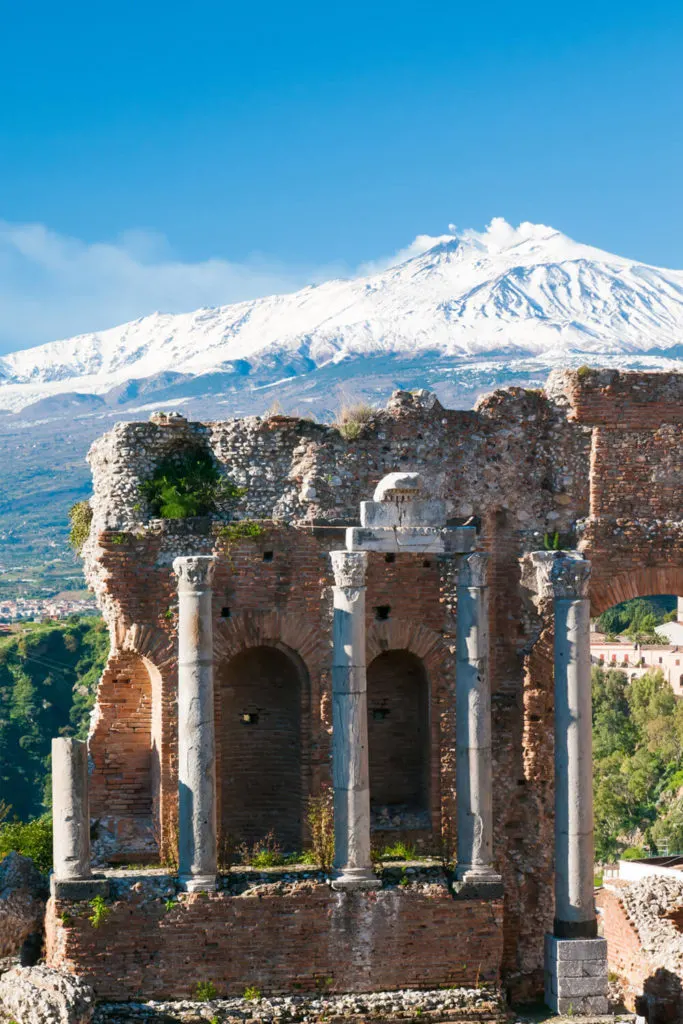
(473, 569)
(194, 572)
(570, 577)
(349, 568)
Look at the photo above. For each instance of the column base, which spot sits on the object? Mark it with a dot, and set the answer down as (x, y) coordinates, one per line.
(576, 975)
(198, 883)
(356, 879)
(575, 929)
(477, 882)
(79, 888)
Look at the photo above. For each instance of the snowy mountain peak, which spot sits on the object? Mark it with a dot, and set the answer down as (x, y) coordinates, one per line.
(506, 293)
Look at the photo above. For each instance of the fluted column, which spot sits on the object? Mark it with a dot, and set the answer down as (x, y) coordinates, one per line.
(197, 844)
(473, 724)
(574, 904)
(350, 764)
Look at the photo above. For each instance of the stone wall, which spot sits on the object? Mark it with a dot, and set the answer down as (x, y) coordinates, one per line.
(295, 938)
(642, 924)
(594, 458)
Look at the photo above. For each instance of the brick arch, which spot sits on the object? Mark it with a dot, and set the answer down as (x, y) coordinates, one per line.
(132, 743)
(295, 633)
(404, 635)
(436, 654)
(607, 590)
(148, 642)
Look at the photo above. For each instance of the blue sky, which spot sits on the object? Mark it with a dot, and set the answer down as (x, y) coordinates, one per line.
(286, 142)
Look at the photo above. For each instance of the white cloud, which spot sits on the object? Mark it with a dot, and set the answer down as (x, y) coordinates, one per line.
(53, 287)
(420, 244)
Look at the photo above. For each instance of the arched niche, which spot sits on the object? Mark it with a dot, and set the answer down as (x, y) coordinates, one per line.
(260, 737)
(399, 740)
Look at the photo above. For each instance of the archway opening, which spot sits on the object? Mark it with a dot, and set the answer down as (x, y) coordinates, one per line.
(398, 738)
(260, 737)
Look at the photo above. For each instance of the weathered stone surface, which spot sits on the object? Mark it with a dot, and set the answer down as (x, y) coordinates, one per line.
(41, 995)
(23, 891)
(71, 842)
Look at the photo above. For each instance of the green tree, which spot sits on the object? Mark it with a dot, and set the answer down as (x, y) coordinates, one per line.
(48, 679)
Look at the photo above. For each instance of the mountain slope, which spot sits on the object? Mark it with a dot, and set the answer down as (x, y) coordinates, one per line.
(505, 295)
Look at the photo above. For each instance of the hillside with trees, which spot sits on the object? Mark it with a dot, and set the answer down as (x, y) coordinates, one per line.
(48, 678)
(637, 764)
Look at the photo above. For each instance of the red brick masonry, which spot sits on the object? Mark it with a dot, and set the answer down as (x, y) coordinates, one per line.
(625, 953)
(306, 940)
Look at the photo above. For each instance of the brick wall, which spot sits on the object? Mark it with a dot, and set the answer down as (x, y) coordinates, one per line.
(305, 940)
(261, 692)
(625, 954)
(398, 733)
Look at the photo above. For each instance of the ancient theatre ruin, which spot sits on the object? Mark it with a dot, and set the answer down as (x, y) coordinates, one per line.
(389, 620)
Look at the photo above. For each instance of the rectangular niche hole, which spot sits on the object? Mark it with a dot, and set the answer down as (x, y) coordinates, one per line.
(426, 564)
(382, 612)
(379, 714)
(249, 717)
(225, 613)
(391, 557)
(267, 556)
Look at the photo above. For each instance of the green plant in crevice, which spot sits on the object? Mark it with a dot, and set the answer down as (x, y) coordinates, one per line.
(266, 853)
(188, 483)
(399, 850)
(252, 993)
(241, 529)
(551, 541)
(352, 418)
(80, 517)
(320, 819)
(205, 991)
(100, 911)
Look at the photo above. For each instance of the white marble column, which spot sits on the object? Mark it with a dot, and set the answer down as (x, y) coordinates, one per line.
(574, 903)
(197, 844)
(350, 765)
(473, 725)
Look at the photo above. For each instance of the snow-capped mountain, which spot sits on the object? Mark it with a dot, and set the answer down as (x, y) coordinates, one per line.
(526, 297)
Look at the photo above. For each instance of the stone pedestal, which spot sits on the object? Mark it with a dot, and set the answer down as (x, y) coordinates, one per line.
(72, 878)
(197, 841)
(350, 765)
(473, 727)
(576, 975)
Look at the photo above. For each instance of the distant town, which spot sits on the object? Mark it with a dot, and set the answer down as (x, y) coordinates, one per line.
(41, 609)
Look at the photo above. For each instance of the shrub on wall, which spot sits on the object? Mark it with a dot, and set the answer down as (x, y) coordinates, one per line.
(80, 516)
(188, 483)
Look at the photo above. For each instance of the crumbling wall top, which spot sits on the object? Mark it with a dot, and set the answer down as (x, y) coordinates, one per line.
(618, 398)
